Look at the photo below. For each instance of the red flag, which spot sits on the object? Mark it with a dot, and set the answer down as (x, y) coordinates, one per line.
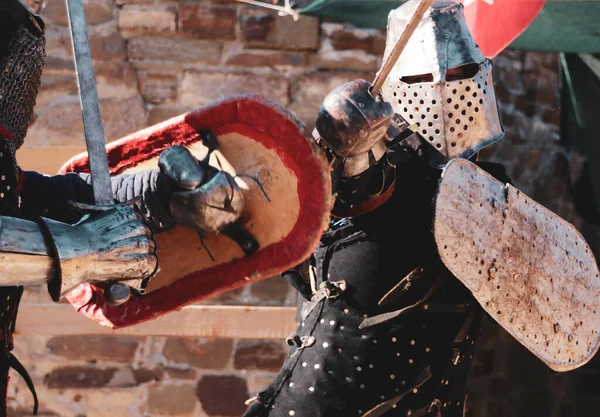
(496, 23)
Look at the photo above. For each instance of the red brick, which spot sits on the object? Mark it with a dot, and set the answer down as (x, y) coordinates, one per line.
(208, 20)
(201, 353)
(97, 12)
(260, 354)
(95, 348)
(222, 395)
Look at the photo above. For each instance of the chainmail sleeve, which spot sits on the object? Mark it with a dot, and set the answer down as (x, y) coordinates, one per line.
(50, 196)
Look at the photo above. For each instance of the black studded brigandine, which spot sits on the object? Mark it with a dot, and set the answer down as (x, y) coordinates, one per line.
(384, 329)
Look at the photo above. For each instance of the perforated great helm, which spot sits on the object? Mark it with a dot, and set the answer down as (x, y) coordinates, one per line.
(442, 82)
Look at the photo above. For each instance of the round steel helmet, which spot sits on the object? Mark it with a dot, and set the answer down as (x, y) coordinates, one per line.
(22, 55)
(442, 82)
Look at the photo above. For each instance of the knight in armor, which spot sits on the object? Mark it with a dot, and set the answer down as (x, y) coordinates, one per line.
(44, 237)
(383, 327)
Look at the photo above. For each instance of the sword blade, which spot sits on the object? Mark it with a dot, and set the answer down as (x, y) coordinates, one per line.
(90, 105)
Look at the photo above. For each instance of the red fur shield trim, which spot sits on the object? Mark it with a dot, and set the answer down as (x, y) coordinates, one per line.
(255, 118)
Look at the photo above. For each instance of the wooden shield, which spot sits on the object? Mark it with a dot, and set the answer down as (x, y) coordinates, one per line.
(528, 268)
(255, 137)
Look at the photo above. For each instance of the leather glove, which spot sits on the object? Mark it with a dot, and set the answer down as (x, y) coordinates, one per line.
(110, 245)
(202, 197)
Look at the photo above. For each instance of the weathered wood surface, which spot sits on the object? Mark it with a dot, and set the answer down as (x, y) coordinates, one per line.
(236, 322)
(529, 269)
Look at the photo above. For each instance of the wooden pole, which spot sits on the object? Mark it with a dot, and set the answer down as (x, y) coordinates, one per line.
(389, 63)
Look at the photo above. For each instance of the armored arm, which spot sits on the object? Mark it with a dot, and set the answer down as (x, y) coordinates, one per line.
(181, 191)
(50, 196)
(109, 245)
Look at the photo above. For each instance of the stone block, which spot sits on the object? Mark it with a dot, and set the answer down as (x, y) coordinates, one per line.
(222, 395)
(107, 46)
(262, 58)
(349, 38)
(308, 92)
(158, 88)
(330, 59)
(270, 291)
(263, 28)
(201, 88)
(80, 377)
(208, 20)
(60, 124)
(172, 400)
(174, 50)
(201, 353)
(259, 354)
(95, 348)
(160, 114)
(136, 19)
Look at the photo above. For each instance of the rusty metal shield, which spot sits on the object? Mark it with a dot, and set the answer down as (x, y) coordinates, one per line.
(255, 137)
(529, 269)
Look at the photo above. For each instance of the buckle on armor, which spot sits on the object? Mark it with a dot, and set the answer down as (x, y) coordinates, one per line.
(327, 290)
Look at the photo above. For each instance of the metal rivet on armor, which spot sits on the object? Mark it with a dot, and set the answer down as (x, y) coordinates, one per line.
(3, 178)
(341, 327)
(317, 366)
(362, 386)
(392, 376)
(359, 411)
(382, 397)
(370, 366)
(325, 344)
(291, 384)
(412, 342)
(427, 350)
(345, 311)
(1, 195)
(358, 368)
(411, 361)
(332, 323)
(322, 321)
(374, 341)
(409, 413)
(304, 364)
(394, 340)
(311, 389)
(415, 391)
(292, 412)
(397, 353)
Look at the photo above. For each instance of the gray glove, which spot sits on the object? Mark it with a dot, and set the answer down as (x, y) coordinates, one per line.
(111, 245)
(202, 197)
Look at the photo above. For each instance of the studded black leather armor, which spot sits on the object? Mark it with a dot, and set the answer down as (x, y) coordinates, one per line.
(384, 329)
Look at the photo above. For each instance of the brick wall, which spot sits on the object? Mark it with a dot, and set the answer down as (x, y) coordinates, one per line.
(158, 58)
